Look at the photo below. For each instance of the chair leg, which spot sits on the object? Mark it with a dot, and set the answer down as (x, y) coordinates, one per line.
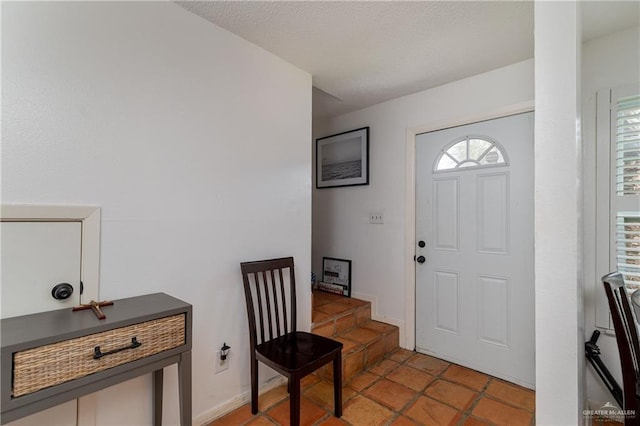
(294, 401)
(337, 384)
(254, 385)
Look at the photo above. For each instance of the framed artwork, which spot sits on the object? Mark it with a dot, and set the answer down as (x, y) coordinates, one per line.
(336, 276)
(343, 159)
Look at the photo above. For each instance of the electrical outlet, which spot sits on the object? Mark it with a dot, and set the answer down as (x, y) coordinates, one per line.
(376, 218)
(219, 365)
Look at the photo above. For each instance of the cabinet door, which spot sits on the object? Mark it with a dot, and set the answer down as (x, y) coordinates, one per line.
(36, 256)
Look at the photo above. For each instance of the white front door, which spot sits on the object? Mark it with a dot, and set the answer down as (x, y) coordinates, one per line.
(475, 246)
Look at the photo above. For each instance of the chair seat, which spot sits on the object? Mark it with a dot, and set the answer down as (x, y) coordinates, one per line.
(298, 351)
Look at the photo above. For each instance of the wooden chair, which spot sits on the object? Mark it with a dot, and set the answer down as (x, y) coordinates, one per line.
(627, 339)
(273, 337)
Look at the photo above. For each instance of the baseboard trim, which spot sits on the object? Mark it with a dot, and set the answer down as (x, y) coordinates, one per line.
(236, 402)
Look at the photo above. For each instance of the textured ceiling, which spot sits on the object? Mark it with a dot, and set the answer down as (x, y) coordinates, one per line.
(364, 52)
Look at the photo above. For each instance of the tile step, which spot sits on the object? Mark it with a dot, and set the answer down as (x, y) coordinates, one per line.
(348, 320)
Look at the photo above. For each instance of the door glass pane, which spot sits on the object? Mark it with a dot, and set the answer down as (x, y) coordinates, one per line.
(494, 156)
(478, 147)
(446, 163)
(458, 151)
(470, 152)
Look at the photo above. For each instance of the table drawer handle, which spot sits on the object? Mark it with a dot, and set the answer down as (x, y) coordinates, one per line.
(97, 354)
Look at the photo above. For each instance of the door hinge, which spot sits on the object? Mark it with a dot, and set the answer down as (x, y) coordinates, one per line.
(81, 287)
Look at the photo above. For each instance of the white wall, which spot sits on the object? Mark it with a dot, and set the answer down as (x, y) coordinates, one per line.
(340, 215)
(609, 61)
(559, 303)
(194, 143)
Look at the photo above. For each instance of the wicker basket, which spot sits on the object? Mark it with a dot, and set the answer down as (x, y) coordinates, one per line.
(49, 365)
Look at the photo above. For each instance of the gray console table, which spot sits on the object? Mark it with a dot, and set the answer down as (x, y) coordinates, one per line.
(52, 357)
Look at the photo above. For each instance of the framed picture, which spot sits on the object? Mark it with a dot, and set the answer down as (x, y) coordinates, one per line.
(336, 276)
(343, 159)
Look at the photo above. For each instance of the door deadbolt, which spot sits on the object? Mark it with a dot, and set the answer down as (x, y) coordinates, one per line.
(62, 291)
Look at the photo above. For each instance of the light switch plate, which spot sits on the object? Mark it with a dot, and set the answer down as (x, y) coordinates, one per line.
(376, 218)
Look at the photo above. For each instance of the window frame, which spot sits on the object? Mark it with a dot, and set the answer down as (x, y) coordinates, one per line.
(494, 144)
(608, 202)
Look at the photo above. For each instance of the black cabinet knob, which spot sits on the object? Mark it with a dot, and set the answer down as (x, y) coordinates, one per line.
(62, 291)
(421, 259)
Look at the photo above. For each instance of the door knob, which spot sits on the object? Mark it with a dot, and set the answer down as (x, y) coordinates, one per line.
(62, 291)
(421, 244)
(421, 259)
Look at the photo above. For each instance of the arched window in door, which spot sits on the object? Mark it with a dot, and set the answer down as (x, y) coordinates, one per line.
(471, 151)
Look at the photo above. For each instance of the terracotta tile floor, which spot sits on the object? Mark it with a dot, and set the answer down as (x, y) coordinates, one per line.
(406, 388)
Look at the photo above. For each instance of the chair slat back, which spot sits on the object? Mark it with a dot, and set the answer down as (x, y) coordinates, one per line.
(624, 323)
(270, 312)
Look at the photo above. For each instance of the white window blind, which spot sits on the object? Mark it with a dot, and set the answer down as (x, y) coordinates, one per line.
(628, 248)
(628, 146)
(618, 190)
(626, 116)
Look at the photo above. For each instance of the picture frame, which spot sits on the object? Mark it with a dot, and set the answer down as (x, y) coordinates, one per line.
(343, 159)
(336, 276)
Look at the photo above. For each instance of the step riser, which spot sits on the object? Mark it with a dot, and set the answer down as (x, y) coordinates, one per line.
(364, 347)
(363, 357)
(343, 322)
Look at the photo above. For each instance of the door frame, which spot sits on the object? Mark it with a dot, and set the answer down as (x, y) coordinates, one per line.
(90, 218)
(410, 200)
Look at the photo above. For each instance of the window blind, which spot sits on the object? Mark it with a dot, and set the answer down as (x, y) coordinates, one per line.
(628, 247)
(627, 187)
(628, 146)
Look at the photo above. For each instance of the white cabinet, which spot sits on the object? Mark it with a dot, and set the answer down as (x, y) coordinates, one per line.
(41, 247)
